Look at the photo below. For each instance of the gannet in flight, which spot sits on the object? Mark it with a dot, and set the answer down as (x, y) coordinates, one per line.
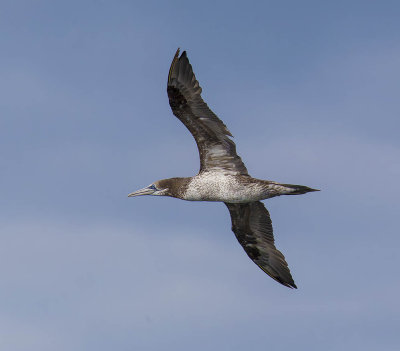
(223, 176)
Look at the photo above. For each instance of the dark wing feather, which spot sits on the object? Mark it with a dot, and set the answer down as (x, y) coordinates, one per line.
(217, 151)
(252, 226)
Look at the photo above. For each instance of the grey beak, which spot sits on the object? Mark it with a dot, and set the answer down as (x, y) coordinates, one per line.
(144, 191)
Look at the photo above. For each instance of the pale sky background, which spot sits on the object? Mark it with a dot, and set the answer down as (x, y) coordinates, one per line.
(309, 89)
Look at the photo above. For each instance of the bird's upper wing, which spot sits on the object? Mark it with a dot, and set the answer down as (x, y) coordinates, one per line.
(217, 151)
(252, 226)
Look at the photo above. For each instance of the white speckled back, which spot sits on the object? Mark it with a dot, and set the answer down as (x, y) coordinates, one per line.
(216, 186)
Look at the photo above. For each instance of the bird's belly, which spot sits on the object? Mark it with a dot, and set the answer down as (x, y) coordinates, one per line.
(214, 187)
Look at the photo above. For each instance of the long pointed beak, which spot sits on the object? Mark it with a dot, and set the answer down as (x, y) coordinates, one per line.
(144, 191)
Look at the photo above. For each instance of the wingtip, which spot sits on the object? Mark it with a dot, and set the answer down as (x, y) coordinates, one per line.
(289, 284)
(173, 64)
(184, 54)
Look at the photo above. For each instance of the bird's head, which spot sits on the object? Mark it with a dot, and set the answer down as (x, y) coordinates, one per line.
(165, 187)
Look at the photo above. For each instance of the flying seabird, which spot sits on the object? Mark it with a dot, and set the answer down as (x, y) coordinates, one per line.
(223, 176)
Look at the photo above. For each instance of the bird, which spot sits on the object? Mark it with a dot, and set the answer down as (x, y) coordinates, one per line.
(223, 177)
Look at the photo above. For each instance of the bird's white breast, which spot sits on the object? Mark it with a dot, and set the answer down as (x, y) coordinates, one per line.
(217, 186)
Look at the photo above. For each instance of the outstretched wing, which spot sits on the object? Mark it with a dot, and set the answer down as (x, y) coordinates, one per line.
(217, 151)
(252, 226)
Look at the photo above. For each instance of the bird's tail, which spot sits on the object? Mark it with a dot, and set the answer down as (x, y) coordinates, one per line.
(298, 189)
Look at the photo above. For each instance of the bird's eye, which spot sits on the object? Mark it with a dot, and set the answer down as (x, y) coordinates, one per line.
(152, 187)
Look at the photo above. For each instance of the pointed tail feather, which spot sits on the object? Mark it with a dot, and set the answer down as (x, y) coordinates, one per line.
(298, 189)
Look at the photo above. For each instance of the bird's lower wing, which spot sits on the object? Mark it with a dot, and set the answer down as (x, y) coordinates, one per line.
(252, 226)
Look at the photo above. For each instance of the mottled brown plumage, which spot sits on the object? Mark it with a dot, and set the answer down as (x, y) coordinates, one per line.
(217, 151)
(223, 176)
(252, 226)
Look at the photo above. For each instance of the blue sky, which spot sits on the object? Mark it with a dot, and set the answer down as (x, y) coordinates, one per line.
(309, 89)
